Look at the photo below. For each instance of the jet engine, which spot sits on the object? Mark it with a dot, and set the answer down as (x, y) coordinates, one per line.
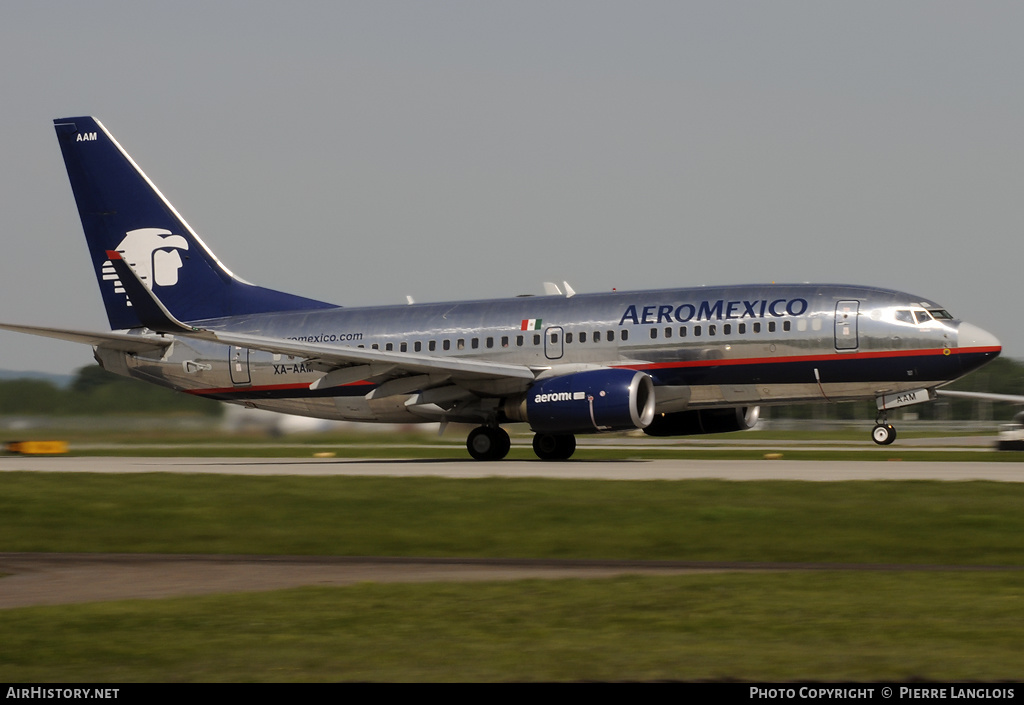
(607, 399)
(697, 421)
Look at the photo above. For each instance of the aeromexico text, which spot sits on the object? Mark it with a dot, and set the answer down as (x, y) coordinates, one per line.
(720, 310)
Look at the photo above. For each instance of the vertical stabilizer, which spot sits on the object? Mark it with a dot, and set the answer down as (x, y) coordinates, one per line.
(122, 211)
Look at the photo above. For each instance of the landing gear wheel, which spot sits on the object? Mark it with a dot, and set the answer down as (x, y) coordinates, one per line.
(485, 443)
(554, 446)
(503, 445)
(883, 434)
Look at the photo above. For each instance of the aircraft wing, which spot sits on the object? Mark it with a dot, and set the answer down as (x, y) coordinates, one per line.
(113, 341)
(1011, 398)
(344, 364)
(354, 361)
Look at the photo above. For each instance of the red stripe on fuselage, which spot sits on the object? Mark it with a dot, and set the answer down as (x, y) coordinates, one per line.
(806, 358)
(263, 388)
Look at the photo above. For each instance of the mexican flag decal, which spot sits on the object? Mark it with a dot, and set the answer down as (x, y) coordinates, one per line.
(531, 324)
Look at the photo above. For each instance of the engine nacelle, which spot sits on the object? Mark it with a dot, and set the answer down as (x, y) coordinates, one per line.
(586, 402)
(698, 421)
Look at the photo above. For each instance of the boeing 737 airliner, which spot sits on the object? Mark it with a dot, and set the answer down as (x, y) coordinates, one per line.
(672, 362)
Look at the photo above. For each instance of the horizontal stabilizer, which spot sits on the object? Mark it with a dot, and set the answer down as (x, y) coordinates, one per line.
(124, 342)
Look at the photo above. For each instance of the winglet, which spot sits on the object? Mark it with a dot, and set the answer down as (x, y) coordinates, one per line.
(150, 311)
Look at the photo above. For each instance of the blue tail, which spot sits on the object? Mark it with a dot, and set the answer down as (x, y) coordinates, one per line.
(122, 210)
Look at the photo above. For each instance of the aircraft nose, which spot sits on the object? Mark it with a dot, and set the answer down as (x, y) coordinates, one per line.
(971, 336)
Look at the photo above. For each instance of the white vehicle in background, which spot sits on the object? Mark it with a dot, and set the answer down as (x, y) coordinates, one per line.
(1011, 435)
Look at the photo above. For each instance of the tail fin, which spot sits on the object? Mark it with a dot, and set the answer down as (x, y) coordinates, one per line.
(123, 211)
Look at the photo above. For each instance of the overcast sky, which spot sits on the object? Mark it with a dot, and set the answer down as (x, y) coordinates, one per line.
(357, 152)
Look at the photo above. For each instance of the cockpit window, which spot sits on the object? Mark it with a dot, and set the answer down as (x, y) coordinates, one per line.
(905, 317)
(922, 316)
(940, 314)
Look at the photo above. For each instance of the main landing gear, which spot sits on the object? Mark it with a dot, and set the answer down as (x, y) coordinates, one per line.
(883, 433)
(486, 443)
(554, 446)
(492, 443)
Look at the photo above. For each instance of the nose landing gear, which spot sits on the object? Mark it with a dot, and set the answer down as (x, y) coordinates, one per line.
(883, 433)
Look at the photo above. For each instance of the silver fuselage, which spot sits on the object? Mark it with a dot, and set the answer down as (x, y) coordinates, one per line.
(704, 347)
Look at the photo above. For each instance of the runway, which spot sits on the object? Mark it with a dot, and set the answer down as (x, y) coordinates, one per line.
(689, 469)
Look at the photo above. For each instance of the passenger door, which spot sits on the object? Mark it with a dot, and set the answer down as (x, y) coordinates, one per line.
(846, 325)
(553, 342)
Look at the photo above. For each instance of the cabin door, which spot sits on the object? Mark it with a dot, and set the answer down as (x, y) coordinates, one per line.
(846, 325)
(238, 364)
(553, 342)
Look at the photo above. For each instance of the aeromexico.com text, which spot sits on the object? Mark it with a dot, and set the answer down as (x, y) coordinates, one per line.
(326, 337)
(720, 310)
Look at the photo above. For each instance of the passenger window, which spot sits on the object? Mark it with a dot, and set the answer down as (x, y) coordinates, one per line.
(405, 347)
(741, 328)
(654, 333)
(568, 338)
(432, 345)
(668, 332)
(682, 331)
(446, 344)
(474, 343)
(519, 341)
(625, 335)
(786, 326)
(712, 329)
(597, 336)
(536, 339)
(389, 347)
(417, 346)
(757, 327)
(583, 337)
(461, 344)
(375, 346)
(696, 331)
(490, 342)
(727, 329)
(771, 326)
(504, 341)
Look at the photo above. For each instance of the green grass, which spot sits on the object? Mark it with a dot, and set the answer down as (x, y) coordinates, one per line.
(776, 627)
(824, 626)
(893, 522)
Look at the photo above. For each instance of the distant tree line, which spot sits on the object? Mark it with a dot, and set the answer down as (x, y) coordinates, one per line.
(96, 391)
